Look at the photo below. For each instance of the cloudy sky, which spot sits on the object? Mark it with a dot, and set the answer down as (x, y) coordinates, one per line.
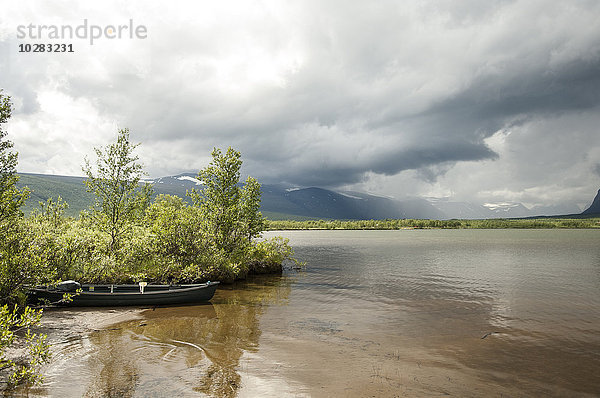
(475, 100)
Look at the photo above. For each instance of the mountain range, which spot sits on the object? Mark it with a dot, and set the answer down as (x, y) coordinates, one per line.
(285, 202)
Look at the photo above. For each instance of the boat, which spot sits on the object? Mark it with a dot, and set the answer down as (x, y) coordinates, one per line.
(141, 294)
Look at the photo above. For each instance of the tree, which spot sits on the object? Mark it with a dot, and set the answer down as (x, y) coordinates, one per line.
(115, 182)
(52, 212)
(252, 221)
(13, 273)
(174, 225)
(19, 265)
(230, 212)
(11, 198)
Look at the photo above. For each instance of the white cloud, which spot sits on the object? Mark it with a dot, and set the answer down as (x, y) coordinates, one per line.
(56, 138)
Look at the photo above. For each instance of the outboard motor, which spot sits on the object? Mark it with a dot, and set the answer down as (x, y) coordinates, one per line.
(68, 286)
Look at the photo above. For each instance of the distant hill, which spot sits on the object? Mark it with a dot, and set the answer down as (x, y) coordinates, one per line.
(43, 186)
(322, 203)
(594, 207)
(281, 202)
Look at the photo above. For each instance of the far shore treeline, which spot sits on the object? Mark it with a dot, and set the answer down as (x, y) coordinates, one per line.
(125, 236)
(496, 223)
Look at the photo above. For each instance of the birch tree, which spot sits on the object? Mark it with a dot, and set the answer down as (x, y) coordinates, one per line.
(230, 212)
(115, 180)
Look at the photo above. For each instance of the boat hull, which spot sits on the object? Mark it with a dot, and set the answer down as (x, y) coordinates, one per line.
(127, 295)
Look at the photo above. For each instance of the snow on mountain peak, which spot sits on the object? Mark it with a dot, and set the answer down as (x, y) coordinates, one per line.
(501, 206)
(188, 178)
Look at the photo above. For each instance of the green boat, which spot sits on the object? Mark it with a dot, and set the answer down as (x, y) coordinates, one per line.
(121, 295)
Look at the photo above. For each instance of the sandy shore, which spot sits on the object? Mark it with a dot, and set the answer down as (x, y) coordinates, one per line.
(61, 323)
(65, 325)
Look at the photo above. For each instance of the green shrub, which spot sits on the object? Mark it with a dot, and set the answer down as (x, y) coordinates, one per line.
(15, 323)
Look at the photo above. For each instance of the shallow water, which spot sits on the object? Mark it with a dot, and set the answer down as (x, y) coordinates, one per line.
(374, 313)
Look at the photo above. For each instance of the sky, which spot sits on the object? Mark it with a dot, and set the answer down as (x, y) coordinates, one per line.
(485, 101)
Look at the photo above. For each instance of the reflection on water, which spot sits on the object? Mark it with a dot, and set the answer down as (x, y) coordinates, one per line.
(375, 313)
(425, 299)
(175, 351)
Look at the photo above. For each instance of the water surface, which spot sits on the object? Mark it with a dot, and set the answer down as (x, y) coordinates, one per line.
(374, 313)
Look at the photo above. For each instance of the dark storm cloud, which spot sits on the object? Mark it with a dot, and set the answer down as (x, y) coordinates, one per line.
(454, 129)
(491, 100)
(322, 172)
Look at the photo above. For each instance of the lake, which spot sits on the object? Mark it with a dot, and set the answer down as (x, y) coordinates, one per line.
(374, 313)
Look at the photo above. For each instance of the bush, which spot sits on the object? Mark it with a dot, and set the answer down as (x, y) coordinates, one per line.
(267, 256)
(12, 324)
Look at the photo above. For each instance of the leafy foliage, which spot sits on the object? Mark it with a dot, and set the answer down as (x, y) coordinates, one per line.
(29, 255)
(164, 241)
(230, 213)
(252, 219)
(115, 182)
(268, 255)
(11, 198)
(19, 255)
(13, 321)
(174, 225)
(52, 212)
(23, 259)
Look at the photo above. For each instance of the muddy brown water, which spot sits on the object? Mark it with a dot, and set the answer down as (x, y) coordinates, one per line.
(374, 313)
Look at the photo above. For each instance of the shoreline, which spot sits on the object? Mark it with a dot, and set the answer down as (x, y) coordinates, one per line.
(411, 224)
(84, 319)
(64, 325)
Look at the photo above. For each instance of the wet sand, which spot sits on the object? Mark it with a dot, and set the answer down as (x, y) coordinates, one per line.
(69, 327)
(58, 322)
